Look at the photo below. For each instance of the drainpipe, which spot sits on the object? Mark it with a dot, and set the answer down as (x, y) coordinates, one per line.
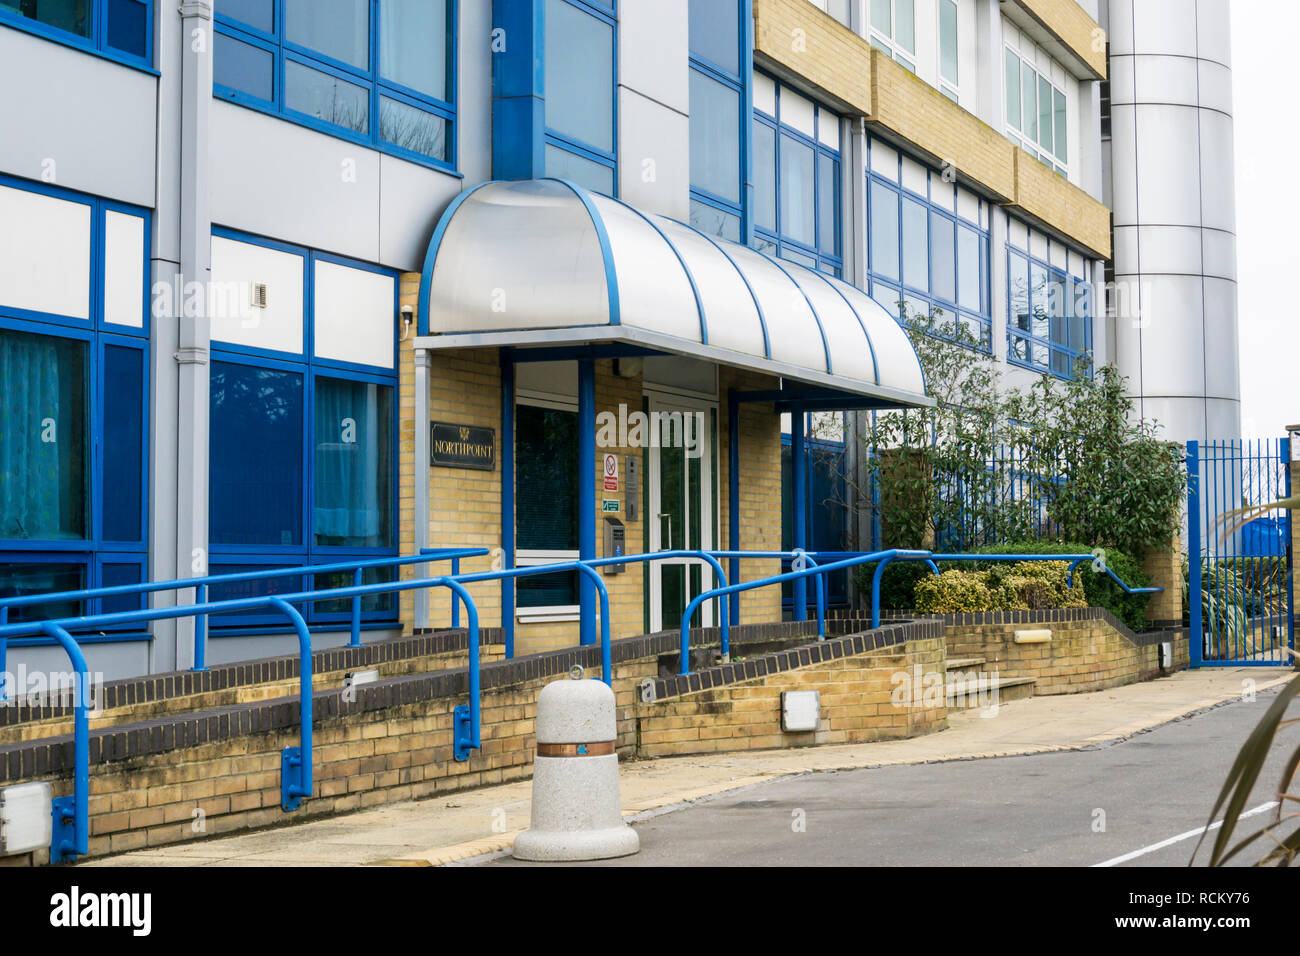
(194, 333)
(423, 415)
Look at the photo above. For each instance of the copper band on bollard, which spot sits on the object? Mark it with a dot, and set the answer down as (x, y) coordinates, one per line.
(602, 749)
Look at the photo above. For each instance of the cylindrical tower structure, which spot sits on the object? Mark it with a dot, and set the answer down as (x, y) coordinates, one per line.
(1175, 278)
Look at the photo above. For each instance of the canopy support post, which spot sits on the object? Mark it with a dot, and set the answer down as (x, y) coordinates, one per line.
(587, 465)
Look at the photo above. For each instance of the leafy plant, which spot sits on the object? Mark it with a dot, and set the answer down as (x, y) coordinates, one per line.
(1100, 589)
(1245, 772)
(1021, 586)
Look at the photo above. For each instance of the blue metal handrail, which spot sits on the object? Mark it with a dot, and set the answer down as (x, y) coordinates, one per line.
(724, 623)
(201, 585)
(684, 658)
(579, 566)
(793, 556)
(71, 814)
(932, 560)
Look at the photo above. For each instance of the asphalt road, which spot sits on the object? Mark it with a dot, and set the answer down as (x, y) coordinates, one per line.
(1036, 810)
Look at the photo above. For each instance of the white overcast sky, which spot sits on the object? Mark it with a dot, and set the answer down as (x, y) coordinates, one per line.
(1266, 146)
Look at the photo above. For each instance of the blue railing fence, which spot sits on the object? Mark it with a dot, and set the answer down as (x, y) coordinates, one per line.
(1240, 588)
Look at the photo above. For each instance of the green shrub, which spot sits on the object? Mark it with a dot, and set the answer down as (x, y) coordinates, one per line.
(1100, 589)
(1023, 586)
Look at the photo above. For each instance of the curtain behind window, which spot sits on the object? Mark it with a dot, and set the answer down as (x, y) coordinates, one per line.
(42, 437)
(353, 463)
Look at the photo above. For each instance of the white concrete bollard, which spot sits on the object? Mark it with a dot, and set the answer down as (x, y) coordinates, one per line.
(576, 813)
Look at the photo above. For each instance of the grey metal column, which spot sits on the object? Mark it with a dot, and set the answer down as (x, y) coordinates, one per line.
(193, 339)
(422, 418)
(1174, 204)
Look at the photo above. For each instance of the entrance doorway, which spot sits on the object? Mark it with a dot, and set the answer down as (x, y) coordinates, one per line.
(681, 512)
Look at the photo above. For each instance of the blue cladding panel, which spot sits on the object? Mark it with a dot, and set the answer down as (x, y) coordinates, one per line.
(256, 479)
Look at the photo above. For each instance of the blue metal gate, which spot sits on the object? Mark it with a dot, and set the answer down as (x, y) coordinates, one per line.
(1239, 596)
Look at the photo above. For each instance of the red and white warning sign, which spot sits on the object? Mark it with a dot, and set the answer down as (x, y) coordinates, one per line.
(611, 472)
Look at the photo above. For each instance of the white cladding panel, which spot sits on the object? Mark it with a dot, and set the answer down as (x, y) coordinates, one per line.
(354, 315)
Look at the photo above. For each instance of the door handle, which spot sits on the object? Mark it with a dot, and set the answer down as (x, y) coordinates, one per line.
(662, 516)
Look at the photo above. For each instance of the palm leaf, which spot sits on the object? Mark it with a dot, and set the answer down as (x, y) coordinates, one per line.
(1245, 772)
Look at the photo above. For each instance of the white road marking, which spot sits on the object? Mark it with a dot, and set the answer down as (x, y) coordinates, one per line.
(1263, 807)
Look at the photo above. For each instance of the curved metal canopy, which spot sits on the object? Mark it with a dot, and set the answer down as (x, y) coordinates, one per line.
(544, 261)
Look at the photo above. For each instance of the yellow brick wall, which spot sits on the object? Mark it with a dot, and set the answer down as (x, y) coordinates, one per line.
(1070, 23)
(1082, 656)
(1040, 192)
(760, 490)
(858, 704)
(913, 109)
(831, 59)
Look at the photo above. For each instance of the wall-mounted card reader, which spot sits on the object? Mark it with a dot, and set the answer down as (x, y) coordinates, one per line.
(615, 544)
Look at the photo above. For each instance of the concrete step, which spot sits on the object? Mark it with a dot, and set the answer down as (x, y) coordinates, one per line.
(969, 693)
(965, 664)
(47, 722)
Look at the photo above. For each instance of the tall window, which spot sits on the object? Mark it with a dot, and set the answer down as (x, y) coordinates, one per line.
(1049, 320)
(893, 29)
(580, 82)
(119, 29)
(546, 473)
(378, 72)
(74, 345)
(948, 74)
(1037, 104)
(928, 243)
(796, 204)
(717, 97)
(302, 453)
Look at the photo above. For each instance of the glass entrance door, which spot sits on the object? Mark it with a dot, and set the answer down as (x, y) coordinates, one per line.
(681, 512)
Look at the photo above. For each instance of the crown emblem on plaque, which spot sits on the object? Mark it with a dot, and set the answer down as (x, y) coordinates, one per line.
(464, 433)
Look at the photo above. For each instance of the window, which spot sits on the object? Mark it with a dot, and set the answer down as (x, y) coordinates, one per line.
(839, 9)
(119, 29)
(928, 244)
(1049, 318)
(717, 96)
(302, 447)
(948, 76)
(893, 29)
(546, 509)
(73, 394)
(378, 72)
(1036, 101)
(796, 206)
(580, 82)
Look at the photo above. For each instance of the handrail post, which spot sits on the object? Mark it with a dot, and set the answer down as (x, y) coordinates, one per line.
(356, 611)
(455, 599)
(606, 660)
(465, 724)
(875, 590)
(71, 815)
(1069, 576)
(295, 762)
(200, 630)
(724, 618)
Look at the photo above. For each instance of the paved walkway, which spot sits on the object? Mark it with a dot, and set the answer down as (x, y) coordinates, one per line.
(459, 826)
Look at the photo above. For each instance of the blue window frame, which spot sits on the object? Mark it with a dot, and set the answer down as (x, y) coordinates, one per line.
(74, 414)
(796, 200)
(928, 246)
(581, 75)
(121, 30)
(719, 105)
(302, 457)
(1049, 304)
(378, 72)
